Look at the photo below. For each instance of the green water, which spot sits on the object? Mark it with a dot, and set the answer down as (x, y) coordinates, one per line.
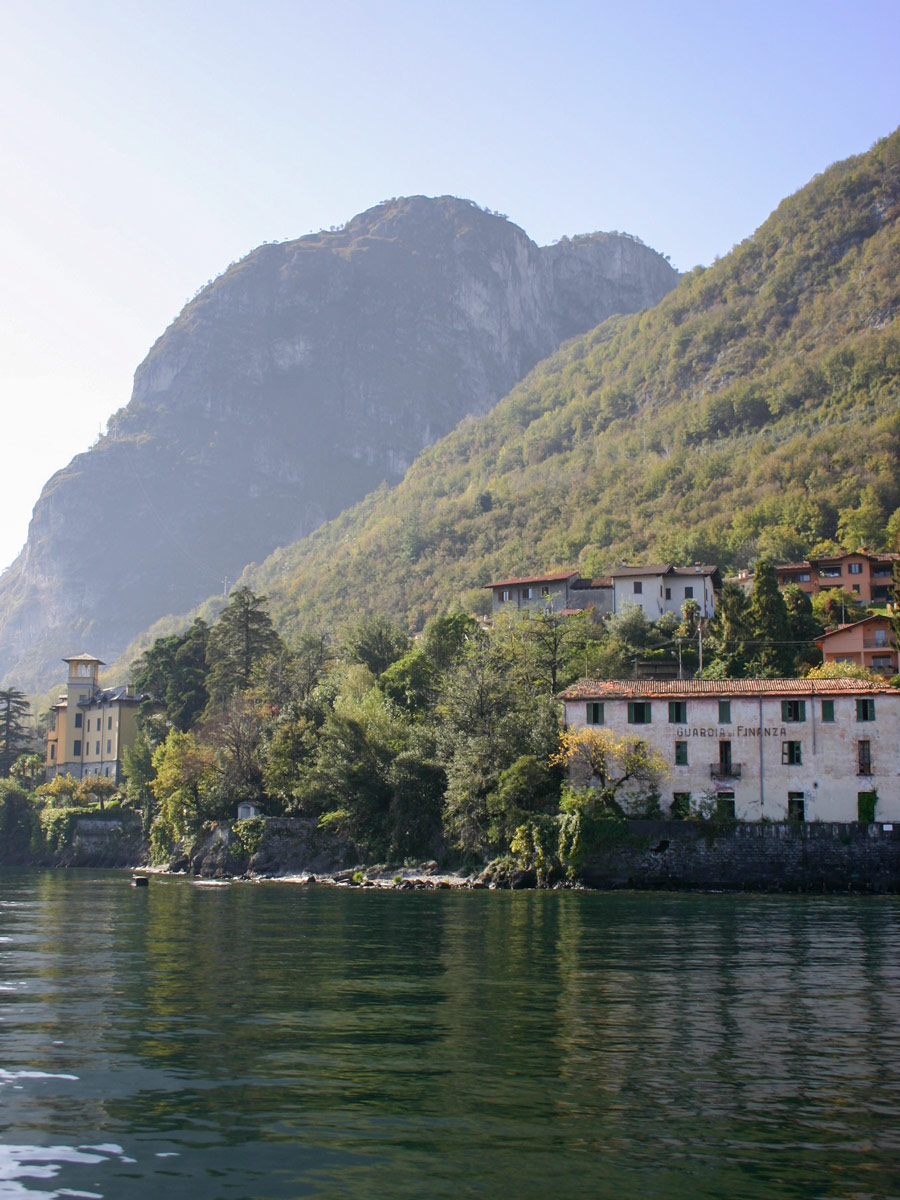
(278, 1041)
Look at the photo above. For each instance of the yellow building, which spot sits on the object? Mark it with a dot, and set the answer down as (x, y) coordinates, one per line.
(90, 726)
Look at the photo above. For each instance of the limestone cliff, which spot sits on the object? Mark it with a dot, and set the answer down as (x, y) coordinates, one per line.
(305, 376)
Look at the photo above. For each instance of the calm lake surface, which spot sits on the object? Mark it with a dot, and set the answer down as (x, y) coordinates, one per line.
(270, 1040)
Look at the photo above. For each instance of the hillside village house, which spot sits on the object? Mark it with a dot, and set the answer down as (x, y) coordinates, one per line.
(655, 589)
(868, 575)
(868, 643)
(665, 589)
(90, 726)
(776, 749)
(562, 592)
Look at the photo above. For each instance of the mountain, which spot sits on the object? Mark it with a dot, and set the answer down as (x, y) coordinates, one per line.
(755, 410)
(302, 378)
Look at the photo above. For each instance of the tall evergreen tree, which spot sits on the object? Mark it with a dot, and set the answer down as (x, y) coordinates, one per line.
(242, 637)
(14, 738)
(773, 652)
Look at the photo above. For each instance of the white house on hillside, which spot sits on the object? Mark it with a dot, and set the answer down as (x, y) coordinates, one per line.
(664, 589)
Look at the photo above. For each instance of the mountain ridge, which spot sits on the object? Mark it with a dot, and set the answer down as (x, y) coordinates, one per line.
(297, 382)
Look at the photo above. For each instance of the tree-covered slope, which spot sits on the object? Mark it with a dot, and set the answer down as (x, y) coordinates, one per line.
(753, 410)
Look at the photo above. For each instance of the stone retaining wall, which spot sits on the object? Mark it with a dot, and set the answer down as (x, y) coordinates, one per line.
(782, 857)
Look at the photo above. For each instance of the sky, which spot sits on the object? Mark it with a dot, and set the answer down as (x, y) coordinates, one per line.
(144, 147)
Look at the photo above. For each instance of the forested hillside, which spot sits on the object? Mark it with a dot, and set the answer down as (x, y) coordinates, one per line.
(753, 411)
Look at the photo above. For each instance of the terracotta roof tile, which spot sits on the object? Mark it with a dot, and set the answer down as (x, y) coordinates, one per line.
(600, 689)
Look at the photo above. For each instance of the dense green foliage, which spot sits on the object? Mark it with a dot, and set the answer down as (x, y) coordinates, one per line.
(753, 412)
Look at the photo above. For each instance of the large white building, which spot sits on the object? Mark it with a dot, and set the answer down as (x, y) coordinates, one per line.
(776, 749)
(664, 588)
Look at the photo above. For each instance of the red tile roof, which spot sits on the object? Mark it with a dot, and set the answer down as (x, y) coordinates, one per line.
(605, 689)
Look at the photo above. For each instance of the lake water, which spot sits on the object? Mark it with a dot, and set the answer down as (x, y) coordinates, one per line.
(269, 1040)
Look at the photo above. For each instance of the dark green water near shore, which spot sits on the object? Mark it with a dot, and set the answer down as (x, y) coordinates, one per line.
(277, 1041)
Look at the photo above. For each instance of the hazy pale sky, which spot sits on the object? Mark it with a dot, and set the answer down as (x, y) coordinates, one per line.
(146, 146)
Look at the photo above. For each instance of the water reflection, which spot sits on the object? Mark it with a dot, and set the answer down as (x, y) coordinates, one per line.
(275, 1041)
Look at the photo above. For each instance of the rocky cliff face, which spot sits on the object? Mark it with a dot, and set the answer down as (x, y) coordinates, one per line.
(306, 375)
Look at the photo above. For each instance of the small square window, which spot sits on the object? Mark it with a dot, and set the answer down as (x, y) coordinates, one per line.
(724, 712)
(638, 712)
(856, 588)
(827, 712)
(865, 806)
(595, 712)
(545, 591)
(865, 709)
(792, 754)
(803, 577)
(855, 568)
(681, 805)
(681, 759)
(504, 596)
(725, 809)
(678, 712)
(796, 807)
(793, 710)
(638, 587)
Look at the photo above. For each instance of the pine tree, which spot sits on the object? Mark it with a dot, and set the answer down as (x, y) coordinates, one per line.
(242, 637)
(14, 739)
(773, 654)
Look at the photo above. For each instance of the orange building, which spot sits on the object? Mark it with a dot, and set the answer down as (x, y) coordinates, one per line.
(868, 575)
(869, 643)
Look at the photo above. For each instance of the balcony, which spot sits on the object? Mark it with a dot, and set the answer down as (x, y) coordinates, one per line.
(725, 770)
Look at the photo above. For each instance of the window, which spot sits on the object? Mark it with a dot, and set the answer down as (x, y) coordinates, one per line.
(864, 758)
(681, 754)
(724, 712)
(595, 712)
(76, 748)
(725, 806)
(865, 806)
(527, 593)
(882, 662)
(638, 588)
(880, 637)
(793, 710)
(791, 754)
(677, 712)
(830, 572)
(689, 593)
(865, 710)
(827, 712)
(109, 746)
(803, 577)
(545, 591)
(52, 752)
(681, 805)
(96, 747)
(668, 593)
(796, 807)
(504, 596)
(856, 588)
(78, 720)
(855, 568)
(109, 722)
(638, 712)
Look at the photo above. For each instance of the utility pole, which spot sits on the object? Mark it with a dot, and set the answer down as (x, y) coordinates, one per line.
(700, 640)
